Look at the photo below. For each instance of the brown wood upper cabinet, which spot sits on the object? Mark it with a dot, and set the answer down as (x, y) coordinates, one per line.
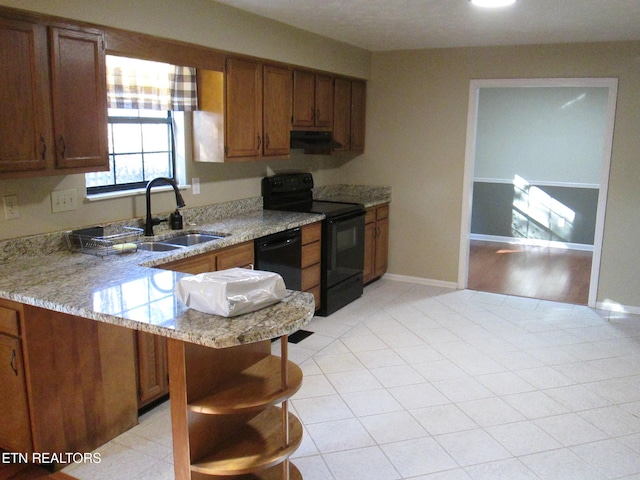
(79, 97)
(312, 99)
(53, 115)
(349, 114)
(258, 109)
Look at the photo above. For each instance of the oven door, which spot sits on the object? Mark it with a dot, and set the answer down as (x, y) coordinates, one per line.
(343, 248)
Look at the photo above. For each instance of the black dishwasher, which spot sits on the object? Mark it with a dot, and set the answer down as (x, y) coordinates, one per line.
(281, 253)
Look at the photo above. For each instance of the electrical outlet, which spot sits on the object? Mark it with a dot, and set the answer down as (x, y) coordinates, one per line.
(11, 207)
(64, 200)
(195, 185)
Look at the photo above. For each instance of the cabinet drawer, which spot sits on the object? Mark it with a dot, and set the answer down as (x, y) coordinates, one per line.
(310, 254)
(310, 277)
(9, 322)
(236, 256)
(382, 212)
(311, 233)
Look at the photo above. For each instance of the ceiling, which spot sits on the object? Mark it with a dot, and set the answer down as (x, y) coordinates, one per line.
(380, 25)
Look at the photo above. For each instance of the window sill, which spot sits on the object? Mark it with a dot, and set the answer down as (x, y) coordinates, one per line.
(132, 193)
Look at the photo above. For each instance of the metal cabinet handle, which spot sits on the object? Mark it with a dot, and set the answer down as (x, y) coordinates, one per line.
(14, 362)
(266, 140)
(62, 146)
(259, 141)
(43, 147)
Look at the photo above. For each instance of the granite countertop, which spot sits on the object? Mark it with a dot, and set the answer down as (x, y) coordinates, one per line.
(127, 290)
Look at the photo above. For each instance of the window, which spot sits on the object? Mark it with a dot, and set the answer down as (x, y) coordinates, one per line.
(140, 149)
(143, 98)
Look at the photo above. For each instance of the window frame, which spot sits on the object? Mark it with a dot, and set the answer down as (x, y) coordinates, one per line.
(136, 120)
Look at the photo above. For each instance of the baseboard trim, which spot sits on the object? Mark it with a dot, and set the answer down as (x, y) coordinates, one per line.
(531, 241)
(421, 281)
(617, 307)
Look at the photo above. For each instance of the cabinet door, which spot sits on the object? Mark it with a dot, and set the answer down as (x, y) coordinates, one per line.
(276, 108)
(79, 97)
(304, 111)
(15, 431)
(358, 103)
(324, 101)
(342, 113)
(153, 380)
(243, 108)
(25, 141)
(369, 252)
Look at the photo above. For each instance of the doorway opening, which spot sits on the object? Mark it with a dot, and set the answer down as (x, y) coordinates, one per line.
(536, 176)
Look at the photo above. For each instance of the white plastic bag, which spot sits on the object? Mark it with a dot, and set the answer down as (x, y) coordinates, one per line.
(231, 292)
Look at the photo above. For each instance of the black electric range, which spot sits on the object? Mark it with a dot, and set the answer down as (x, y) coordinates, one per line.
(342, 258)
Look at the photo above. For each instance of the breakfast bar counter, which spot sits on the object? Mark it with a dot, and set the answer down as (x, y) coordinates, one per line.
(228, 391)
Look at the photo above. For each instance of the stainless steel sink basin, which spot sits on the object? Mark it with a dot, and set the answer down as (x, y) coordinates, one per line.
(157, 246)
(179, 241)
(189, 239)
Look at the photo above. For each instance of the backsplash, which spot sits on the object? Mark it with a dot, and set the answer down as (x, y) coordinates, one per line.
(347, 193)
(47, 243)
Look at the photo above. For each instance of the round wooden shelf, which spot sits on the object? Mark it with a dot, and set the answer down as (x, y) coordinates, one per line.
(255, 388)
(254, 446)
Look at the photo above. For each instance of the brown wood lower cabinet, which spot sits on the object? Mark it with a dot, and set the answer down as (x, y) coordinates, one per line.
(311, 252)
(152, 375)
(151, 350)
(376, 242)
(15, 430)
(68, 383)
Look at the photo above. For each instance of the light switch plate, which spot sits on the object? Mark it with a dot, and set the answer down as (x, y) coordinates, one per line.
(64, 200)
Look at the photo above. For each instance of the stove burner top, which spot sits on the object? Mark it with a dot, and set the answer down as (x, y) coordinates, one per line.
(292, 192)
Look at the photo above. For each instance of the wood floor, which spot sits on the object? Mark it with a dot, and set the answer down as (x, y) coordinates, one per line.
(528, 271)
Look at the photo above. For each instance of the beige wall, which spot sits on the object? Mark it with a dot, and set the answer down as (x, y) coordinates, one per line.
(416, 134)
(202, 22)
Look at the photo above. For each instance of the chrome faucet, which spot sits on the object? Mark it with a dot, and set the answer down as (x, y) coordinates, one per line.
(151, 221)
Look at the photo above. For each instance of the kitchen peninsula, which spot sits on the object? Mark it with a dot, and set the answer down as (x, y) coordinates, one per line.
(72, 380)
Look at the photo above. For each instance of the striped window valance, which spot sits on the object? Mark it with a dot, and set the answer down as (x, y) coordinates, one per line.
(142, 84)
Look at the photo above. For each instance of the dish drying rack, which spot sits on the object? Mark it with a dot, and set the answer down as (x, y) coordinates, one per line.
(101, 241)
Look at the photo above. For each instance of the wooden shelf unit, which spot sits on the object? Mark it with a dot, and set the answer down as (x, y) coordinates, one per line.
(230, 413)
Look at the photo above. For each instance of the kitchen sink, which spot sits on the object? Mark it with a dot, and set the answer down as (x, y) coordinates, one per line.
(189, 239)
(179, 241)
(157, 246)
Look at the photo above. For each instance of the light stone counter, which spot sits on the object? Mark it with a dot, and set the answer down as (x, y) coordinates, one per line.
(125, 290)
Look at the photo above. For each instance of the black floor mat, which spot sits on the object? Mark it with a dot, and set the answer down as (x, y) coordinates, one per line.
(298, 336)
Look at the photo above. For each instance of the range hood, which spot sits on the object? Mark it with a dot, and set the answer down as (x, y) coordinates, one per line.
(313, 142)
